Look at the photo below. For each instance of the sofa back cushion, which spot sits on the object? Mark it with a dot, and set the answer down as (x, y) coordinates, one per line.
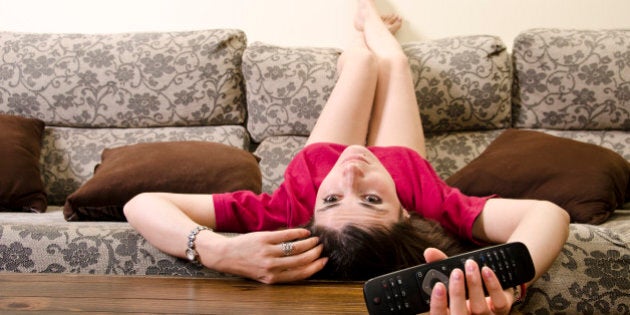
(286, 87)
(124, 80)
(462, 83)
(572, 79)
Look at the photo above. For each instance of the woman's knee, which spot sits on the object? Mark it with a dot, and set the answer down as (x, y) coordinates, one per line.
(395, 61)
(360, 58)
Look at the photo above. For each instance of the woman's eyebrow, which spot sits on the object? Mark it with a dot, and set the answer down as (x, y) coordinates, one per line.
(372, 207)
(363, 204)
(328, 206)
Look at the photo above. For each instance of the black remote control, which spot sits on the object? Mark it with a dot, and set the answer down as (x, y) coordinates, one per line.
(408, 291)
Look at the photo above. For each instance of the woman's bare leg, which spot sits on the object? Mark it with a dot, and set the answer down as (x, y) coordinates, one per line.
(346, 115)
(395, 117)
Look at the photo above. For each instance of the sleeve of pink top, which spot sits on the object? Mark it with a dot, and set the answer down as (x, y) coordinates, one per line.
(245, 211)
(460, 211)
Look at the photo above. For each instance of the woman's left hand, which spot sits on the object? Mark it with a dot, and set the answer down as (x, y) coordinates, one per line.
(499, 301)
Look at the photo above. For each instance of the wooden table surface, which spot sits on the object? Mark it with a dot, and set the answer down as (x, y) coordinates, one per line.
(63, 294)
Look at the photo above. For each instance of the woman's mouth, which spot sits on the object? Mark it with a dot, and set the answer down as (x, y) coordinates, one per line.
(355, 157)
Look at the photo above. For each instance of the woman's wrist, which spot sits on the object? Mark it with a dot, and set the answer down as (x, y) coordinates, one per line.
(517, 293)
(208, 244)
(191, 251)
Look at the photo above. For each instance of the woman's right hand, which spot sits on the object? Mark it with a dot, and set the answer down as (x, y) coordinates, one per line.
(454, 300)
(260, 255)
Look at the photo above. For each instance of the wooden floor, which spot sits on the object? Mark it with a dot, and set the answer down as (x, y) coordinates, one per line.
(65, 294)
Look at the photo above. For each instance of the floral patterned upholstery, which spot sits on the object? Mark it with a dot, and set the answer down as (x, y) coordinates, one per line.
(572, 79)
(123, 80)
(286, 88)
(48, 244)
(590, 276)
(462, 83)
(131, 88)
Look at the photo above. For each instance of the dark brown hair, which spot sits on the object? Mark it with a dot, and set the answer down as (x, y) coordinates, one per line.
(360, 253)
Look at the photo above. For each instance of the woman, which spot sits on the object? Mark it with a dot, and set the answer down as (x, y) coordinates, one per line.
(362, 167)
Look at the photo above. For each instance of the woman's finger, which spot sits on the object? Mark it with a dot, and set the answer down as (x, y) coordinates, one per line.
(439, 302)
(499, 300)
(474, 283)
(433, 254)
(288, 235)
(292, 248)
(301, 272)
(457, 293)
(296, 261)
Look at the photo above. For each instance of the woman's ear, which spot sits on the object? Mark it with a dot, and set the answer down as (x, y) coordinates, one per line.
(404, 214)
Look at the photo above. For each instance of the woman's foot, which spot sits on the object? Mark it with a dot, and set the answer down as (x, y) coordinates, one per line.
(378, 31)
(393, 22)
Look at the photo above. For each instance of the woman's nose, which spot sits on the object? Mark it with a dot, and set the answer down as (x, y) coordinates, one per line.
(351, 173)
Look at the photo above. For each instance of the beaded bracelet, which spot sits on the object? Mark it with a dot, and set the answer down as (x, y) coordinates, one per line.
(191, 252)
(519, 293)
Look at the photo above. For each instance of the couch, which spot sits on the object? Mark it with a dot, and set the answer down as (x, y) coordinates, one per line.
(86, 94)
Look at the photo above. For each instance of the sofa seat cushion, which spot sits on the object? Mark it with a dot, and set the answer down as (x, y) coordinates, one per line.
(46, 243)
(587, 180)
(196, 167)
(70, 154)
(124, 80)
(21, 186)
(572, 79)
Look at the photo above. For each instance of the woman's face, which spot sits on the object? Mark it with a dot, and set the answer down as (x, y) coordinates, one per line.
(357, 190)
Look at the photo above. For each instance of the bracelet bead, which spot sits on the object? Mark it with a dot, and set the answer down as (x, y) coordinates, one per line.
(519, 293)
(191, 252)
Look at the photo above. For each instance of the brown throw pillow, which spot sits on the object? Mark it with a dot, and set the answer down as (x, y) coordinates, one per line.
(21, 186)
(587, 180)
(178, 167)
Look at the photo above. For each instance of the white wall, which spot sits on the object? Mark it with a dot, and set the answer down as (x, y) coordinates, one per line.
(313, 22)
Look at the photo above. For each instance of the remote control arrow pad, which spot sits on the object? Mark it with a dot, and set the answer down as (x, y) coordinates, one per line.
(408, 291)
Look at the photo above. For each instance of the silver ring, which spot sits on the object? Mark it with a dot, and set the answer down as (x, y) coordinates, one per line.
(287, 248)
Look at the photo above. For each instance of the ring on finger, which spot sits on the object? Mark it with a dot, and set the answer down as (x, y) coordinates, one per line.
(287, 248)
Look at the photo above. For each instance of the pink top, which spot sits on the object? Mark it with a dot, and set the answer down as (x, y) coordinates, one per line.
(418, 187)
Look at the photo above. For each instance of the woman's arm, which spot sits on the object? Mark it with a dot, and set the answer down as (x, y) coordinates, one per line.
(166, 220)
(541, 225)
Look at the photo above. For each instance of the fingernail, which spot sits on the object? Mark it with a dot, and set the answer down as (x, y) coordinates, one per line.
(470, 266)
(487, 272)
(439, 289)
(456, 274)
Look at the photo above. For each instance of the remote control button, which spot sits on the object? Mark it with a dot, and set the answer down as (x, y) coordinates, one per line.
(399, 280)
(392, 284)
(377, 300)
(384, 284)
(433, 276)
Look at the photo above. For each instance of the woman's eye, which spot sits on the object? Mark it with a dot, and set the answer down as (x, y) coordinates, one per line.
(331, 199)
(373, 199)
